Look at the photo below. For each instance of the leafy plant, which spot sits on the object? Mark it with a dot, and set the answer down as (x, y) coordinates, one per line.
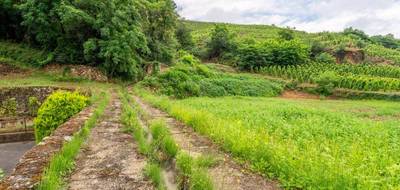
(221, 42)
(9, 107)
(57, 109)
(272, 52)
(33, 105)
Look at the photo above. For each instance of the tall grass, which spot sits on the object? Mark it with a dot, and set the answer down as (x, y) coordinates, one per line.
(162, 149)
(304, 146)
(63, 162)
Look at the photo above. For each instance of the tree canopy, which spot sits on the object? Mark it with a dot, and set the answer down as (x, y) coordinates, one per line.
(121, 36)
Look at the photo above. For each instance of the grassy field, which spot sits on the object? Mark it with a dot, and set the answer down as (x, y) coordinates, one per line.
(310, 144)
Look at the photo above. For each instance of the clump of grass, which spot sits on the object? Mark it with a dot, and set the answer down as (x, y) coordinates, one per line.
(131, 123)
(162, 139)
(191, 174)
(153, 171)
(63, 162)
(1, 173)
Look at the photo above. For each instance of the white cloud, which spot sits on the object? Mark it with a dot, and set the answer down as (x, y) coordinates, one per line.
(372, 16)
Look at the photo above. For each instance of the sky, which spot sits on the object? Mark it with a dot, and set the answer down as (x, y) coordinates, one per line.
(372, 16)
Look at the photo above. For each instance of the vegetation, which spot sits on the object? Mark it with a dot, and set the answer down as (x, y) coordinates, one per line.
(272, 52)
(64, 161)
(30, 57)
(305, 144)
(1, 174)
(93, 33)
(57, 109)
(8, 107)
(358, 77)
(184, 81)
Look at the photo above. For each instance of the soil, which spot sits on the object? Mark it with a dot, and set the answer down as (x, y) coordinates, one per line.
(8, 70)
(227, 174)
(109, 159)
(290, 94)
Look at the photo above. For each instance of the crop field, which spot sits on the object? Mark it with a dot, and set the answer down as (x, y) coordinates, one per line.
(357, 77)
(304, 143)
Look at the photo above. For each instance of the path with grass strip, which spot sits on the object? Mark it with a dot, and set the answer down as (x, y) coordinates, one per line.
(226, 174)
(109, 159)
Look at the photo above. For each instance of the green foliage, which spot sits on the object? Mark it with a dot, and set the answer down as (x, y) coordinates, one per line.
(326, 82)
(184, 37)
(24, 54)
(94, 33)
(9, 107)
(33, 105)
(162, 140)
(191, 175)
(10, 16)
(185, 81)
(380, 51)
(153, 171)
(64, 161)
(286, 34)
(309, 144)
(358, 77)
(221, 42)
(186, 58)
(387, 41)
(272, 52)
(325, 58)
(1, 174)
(57, 109)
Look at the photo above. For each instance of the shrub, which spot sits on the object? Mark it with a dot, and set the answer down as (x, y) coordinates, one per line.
(185, 81)
(9, 107)
(221, 42)
(186, 58)
(325, 58)
(33, 105)
(28, 56)
(326, 82)
(272, 52)
(184, 37)
(57, 109)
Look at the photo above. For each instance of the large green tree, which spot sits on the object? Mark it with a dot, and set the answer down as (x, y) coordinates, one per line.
(121, 36)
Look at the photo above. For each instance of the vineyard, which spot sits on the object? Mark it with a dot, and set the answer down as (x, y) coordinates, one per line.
(358, 77)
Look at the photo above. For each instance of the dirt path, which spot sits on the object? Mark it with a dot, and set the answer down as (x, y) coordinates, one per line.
(227, 175)
(109, 159)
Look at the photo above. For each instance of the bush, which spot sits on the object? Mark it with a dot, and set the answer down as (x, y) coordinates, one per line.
(186, 58)
(57, 109)
(26, 55)
(184, 37)
(272, 52)
(221, 42)
(326, 82)
(117, 35)
(325, 58)
(185, 81)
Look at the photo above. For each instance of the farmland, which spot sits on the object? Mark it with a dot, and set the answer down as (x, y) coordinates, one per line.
(130, 95)
(304, 143)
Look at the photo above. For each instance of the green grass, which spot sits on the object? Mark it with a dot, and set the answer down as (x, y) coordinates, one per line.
(153, 171)
(1, 174)
(23, 55)
(63, 162)
(306, 144)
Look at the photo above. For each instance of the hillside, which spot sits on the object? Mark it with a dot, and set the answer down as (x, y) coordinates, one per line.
(373, 48)
(122, 94)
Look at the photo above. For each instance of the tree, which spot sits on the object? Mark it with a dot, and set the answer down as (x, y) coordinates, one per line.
(184, 37)
(356, 33)
(286, 34)
(387, 41)
(10, 20)
(120, 36)
(222, 41)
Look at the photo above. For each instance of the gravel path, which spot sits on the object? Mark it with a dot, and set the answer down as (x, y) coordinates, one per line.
(109, 159)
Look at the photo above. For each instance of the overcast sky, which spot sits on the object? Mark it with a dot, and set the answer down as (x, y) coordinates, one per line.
(372, 16)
